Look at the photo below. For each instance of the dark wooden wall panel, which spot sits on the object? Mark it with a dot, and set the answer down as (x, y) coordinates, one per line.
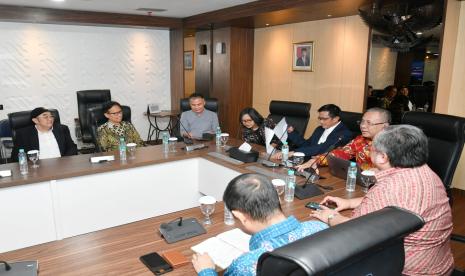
(202, 64)
(241, 92)
(221, 80)
(176, 67)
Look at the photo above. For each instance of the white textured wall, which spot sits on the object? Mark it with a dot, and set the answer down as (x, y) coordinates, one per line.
(44, 65)
(382, 67)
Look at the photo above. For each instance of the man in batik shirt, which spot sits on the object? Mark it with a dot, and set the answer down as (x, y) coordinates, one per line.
(404, 180)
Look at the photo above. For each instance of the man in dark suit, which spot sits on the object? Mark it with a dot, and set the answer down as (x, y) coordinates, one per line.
(304, 59)
(52, 140)
(331, 129)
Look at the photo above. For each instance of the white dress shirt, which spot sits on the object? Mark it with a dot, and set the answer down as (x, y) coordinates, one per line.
(326, 133)
(48, 146)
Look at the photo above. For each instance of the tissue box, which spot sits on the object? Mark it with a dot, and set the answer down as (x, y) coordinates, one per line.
(246, 157)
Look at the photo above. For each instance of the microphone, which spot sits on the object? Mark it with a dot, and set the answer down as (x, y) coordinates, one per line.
(306, 191)
(267, 162)
(7, 265)
(187, 140)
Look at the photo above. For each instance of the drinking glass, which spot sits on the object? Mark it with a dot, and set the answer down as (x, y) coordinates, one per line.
(224, 139)
(207, 207)
(279, 185)
(368, 179)
(298, 158)
(34, 157)
(131, 150)
(172, 143)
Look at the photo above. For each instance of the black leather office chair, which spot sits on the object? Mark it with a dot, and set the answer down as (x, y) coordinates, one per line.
(87, 99)
(23, 119)
(350, 119)
(297, 114)
(369, 245)
(446, 136)
(97, 118)
(210, 104)
(6, 140)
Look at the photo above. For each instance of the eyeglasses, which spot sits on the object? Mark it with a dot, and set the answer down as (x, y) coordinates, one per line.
(116, 113)
(323, 118)
(47, 117)
(368, 123)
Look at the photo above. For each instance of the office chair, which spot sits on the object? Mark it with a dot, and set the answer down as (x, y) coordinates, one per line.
(368, 245)
(6, 140)
(96, 118)
(446, 137)
(297, 114)
(210, 104)
(87, 99)
(350, 120)
(22, 119)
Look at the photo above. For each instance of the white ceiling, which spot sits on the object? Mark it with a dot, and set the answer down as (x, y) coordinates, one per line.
(174, 8)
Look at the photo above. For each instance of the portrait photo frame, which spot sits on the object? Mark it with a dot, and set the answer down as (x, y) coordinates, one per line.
(188, 60)
(302, 56)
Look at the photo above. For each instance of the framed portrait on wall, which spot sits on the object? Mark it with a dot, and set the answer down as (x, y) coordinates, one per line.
(302, 58)
(188, 60)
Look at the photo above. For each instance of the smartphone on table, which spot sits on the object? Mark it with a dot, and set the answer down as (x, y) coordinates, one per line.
(156, 263)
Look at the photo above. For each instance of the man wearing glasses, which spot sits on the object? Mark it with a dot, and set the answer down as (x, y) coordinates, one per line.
(327, 134)
(373, 121)
(52, 140)
(110, 132)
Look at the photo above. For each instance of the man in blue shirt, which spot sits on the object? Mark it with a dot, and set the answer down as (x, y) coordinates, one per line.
(329, 132)
(254, 202)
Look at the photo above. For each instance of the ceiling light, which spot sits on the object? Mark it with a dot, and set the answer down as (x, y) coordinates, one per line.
(419, 33)
(329, 15)
(58, 0)
(267, 24)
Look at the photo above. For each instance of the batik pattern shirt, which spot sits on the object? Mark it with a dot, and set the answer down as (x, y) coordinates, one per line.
(109, 135)
(258, 136)
(267, 240)
(358, 148)
(419, 190)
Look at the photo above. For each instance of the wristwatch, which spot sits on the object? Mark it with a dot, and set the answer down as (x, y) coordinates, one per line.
(330, 217)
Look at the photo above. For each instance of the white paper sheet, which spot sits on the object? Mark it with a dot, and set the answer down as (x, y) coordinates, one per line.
(245, 147)
(281, 129)
(269, 133)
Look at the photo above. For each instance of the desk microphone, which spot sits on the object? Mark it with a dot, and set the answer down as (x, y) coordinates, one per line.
(187, 140)
(267, 162)
(306, 191)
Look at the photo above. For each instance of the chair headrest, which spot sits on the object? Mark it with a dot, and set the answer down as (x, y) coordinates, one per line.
(210, 104)
(348, 242)
(285, 108)
(23, 119)
(90, 96)
(439, 126)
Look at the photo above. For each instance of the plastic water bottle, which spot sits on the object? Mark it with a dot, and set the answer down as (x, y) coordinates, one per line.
(289, 189)
(228, 216)
(22, 160)
(218, 136)
(351, 177)
(122, 149)
(285, 152)
(165, 140)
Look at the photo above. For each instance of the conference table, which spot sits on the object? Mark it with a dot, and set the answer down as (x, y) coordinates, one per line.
(81, 218)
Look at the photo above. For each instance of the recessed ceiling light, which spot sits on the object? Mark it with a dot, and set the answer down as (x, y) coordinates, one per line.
(58, 0)
(267, 24)
(419, 33)
(329, 15)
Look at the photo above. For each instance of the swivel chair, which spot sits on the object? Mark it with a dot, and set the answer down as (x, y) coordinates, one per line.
(87, 99)
(6, 140)
(350, 120)
(297, 114)
(96, 118)
(368, 245)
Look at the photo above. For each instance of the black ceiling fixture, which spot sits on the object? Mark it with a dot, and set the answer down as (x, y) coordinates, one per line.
(402, 22)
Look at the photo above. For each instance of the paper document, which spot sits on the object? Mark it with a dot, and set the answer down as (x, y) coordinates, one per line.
(269, 133)
(281, 130)
(225, 247)
(245, 147)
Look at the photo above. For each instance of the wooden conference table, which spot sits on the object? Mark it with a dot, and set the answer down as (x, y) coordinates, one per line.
(116, 250)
